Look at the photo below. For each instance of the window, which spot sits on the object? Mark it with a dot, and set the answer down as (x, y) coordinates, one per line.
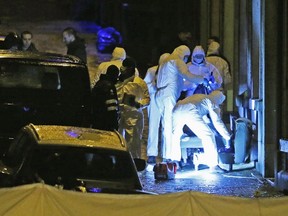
(86, 163)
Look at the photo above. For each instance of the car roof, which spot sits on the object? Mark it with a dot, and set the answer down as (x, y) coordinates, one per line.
(40, 56)
(77, 136)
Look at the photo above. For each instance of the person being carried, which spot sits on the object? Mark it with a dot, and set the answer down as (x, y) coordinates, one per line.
(190, 111)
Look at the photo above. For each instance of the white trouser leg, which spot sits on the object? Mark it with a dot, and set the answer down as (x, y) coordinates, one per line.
(177, 131)
(165, 106)
(203, 131)
(153, 127)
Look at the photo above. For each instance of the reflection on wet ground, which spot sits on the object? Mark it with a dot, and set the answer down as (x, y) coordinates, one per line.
(244, 183)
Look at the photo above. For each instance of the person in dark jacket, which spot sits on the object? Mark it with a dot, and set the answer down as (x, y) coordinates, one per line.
(26, 43)
(11, 41)
(75, 45)
(105, 101)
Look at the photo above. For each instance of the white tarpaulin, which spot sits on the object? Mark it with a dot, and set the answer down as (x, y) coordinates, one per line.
(40, 199)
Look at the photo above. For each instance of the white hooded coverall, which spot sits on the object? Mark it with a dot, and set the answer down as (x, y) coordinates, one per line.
(204, 69)
(153, 112)
(190, 111)
(118, 55)
(220, 63)
(169, 86)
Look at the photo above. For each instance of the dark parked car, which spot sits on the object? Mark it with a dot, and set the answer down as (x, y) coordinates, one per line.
(71, 158)
(41, 88)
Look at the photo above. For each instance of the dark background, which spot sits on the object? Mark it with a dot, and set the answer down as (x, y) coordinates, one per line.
(148, 27)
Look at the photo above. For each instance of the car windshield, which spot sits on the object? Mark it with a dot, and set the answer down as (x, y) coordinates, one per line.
(29, 76)
(52, 164)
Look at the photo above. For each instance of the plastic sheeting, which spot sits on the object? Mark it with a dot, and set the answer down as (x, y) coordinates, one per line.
(40, 199)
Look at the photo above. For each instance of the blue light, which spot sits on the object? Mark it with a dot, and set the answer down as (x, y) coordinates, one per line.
(26, 109)
(107, 39)
(72, 134)
(94, 190)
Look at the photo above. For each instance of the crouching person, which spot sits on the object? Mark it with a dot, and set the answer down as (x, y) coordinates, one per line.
(190, 111)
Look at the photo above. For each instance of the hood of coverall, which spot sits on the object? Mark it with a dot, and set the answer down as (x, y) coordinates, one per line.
(181, 51)
(163, 57)
(118, 53)
(198, 50)
(213, 48)
(217, 97)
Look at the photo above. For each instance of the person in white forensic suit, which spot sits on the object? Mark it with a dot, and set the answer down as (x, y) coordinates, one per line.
(118, 56)
(190, 111)
(133, 97)
(154, 116)
(213, 57)
(170, 82)
(199, 66)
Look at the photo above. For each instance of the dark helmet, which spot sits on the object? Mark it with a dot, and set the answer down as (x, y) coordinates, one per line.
(127, 69)
(113, 73)
(129, 63)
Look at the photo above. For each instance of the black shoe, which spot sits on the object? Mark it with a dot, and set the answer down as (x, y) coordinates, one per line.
(151, 160)
(186, 165)
(226, 150)
(166, 160)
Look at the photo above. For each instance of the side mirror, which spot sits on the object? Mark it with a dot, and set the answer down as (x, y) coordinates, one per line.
(140, 164)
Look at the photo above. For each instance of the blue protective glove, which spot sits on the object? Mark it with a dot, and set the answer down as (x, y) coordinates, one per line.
(211, 79)
(205, 82)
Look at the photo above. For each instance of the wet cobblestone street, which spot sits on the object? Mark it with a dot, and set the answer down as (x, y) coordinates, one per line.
(246, 183)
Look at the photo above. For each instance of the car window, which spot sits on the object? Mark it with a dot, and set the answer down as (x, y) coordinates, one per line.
(75, 82)
(85, 163)
(17, 150)
(31, 76)
(69, 80)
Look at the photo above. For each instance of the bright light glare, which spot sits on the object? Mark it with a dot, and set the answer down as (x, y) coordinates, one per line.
(193, 173)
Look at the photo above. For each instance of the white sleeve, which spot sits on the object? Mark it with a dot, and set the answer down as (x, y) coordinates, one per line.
(150, 79)
(217, 76)
(183, 69)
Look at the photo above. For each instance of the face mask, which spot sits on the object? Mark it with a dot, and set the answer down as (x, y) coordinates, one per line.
(198, 59)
